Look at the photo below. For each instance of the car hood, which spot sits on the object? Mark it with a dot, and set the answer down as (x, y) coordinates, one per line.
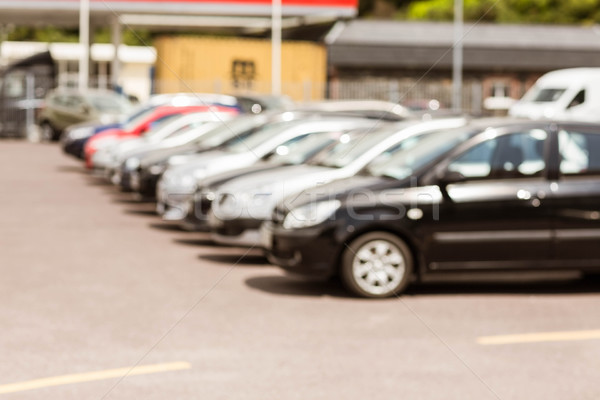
(206, 164)
(213, 182)
(276, 178)
(142, 147)
(127, 145)
(340, 189)
(154, 156)
(255, 195)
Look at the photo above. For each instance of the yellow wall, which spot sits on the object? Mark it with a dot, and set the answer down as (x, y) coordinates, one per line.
(211, 64)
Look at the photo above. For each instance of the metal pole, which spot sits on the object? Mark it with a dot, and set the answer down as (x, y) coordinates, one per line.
(117, 38)
(29, 111)
(84, 43)
(276, 47)
(457, 56)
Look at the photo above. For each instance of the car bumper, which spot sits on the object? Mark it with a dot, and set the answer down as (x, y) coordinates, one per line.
(126, 180)
(173, 207)
(74, 148)
(236, 232)
(197, 216)
(102, 160)
(145, 184)
(310, 252)
(248, 238)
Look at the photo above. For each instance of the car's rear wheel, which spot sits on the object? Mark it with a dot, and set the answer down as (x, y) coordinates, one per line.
(376, 265)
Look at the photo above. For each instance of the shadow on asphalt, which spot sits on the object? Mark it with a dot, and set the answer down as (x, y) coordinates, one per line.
(96, 180)
(72, 168)
(235, 259)
(146, 213)
(295, 286)
(165, 226)
(127, 198)
(198, 242)
(584, 285)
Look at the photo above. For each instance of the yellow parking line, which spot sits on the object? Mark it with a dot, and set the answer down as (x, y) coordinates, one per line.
(540, 337)
(93, 376)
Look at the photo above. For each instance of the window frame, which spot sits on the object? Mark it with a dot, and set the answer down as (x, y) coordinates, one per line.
(585, 130)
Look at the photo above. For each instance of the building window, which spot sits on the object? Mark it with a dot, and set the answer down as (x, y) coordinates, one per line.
(500, 89)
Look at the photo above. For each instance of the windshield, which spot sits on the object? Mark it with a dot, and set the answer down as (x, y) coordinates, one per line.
(416, 152)
(349, 149)
(139, 110)
(138, 119)
(239, 127)
(159, 131)
(546, 95)
(109, 103)
(258, 137)
(299, 151)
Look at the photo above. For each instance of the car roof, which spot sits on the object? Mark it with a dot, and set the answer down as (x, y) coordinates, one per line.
(507, 122)
(78, 92)
(369, 108)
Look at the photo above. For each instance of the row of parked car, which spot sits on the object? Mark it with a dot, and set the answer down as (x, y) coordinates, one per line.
(361, 190)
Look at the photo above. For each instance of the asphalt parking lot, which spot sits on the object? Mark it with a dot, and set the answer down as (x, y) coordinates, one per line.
(101, 300)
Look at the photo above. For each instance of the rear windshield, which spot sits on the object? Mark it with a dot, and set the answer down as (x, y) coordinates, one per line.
(546, 95)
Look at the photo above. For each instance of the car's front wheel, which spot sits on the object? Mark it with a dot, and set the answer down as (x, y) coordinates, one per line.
(47, 132)
(377, 265)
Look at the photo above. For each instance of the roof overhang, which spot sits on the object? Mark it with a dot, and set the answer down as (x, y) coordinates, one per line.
(364, 44)
(179, 13)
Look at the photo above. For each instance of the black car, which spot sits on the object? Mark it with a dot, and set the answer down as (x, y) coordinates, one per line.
(495, 197)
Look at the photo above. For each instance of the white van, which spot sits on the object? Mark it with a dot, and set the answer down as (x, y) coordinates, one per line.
(566, 94)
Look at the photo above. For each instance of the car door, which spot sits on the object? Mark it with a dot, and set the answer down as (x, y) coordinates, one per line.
(576, 197)
(63, 111)
(494, 214)
(76, 110)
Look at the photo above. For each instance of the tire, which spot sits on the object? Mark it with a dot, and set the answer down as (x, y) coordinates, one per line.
(376, 265)
(47, 132)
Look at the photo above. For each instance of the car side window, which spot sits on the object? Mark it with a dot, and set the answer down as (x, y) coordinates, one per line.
(515, 155)
(578, 99)
(60, 101)
(579, 153)
(73, 102)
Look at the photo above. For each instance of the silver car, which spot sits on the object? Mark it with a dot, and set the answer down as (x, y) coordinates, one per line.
(179, 182)
(173, 132)
(241, 205)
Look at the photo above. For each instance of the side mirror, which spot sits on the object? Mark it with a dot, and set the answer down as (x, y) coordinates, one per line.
(449, 177)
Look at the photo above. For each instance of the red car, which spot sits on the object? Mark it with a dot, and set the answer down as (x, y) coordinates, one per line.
(144, 123)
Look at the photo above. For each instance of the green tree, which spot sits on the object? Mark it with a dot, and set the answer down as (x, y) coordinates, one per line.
(509, 11)
(51, 34)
